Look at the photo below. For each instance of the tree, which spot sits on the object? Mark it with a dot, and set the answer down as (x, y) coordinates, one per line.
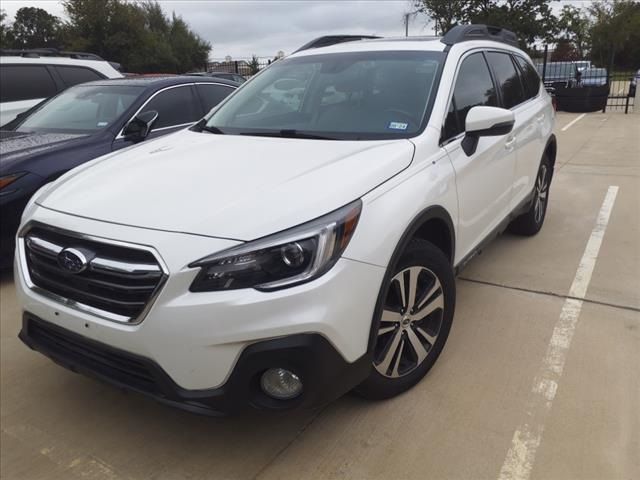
(35, 28)
(4, 30)
(254, 65)
(138, 35)
(565, 51)
(615, 34)
(445, 14)
(574, 26)
(530, 20)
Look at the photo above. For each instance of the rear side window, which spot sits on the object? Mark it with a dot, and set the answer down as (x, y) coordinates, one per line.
(530, 77)
(75, 75)
(507, 78)
(474, 87)
(212, 95)
(175, 106)
(25, 82)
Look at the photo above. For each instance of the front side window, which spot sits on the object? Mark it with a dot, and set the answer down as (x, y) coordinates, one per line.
(82, 109)
(25, 82)
(175, 106)
(355, 95)
(212, 94)
(473, 87)
(508, 79)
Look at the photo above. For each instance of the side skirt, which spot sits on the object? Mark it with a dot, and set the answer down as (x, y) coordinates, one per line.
(522, 208)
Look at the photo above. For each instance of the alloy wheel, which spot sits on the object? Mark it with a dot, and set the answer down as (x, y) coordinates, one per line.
(411, 322)
(540, 201)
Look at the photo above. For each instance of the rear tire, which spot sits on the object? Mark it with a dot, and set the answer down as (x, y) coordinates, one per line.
(414, 322)
(530, 222)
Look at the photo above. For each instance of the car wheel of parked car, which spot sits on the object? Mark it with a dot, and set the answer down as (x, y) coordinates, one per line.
(531, 222)
(413, 324)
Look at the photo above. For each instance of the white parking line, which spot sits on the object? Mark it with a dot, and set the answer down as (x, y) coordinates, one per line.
(527, 437)
(568, 125)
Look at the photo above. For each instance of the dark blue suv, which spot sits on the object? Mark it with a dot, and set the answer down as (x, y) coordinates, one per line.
(87, 121)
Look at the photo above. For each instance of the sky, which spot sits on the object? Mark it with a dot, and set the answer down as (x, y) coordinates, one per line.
(241, 28)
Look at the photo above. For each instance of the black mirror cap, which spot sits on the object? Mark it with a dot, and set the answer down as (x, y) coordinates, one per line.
(140, 126)
(470, 140)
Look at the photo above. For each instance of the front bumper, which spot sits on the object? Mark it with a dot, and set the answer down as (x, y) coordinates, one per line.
(323, 371)
(197, 340)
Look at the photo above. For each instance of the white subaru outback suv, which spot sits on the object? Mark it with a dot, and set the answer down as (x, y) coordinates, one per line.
(302, 239)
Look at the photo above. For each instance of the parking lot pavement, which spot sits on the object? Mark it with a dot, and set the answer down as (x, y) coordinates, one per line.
(458, 423)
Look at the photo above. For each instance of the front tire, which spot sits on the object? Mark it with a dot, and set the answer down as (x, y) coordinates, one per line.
(413, 324)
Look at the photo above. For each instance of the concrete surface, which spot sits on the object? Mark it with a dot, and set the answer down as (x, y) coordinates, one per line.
(457, 423)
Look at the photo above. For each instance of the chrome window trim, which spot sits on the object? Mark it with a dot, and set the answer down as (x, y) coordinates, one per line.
(120, 136)
(78, 306)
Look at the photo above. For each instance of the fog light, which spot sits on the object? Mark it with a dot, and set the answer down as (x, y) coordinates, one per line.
(281, 384)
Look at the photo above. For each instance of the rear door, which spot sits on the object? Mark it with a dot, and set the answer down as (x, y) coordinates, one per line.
(484, 179)
(525, 129)
(22, 87)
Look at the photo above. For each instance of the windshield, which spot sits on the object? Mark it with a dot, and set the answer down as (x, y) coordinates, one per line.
(82, 109)
(594, 72)
(363, 95)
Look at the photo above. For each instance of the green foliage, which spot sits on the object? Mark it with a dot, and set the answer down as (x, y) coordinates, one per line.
(575, 27)
(32, 28)
(138, 35)
(254, 65)
(530, 20)
(615, 33)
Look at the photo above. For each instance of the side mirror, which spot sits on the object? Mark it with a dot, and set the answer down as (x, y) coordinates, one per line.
(485, 122)
(140, 126)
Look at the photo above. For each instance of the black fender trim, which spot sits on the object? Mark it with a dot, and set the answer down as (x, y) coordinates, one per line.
(430, 213)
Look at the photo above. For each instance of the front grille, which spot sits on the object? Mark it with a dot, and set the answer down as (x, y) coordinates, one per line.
(72, 349)
(114, 280)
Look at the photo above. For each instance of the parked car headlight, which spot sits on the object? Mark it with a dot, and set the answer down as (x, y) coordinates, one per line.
(284, 259)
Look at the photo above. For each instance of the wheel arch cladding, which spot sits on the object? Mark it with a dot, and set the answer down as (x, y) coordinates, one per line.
(434, 225)
(551, 149)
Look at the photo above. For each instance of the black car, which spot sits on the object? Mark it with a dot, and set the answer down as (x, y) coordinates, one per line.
(87, 121)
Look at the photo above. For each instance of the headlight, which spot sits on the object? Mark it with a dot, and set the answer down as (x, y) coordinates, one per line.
(281, 260)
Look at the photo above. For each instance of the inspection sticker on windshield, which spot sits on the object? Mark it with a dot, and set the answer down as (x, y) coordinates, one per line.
(102, 124)
(398, 125)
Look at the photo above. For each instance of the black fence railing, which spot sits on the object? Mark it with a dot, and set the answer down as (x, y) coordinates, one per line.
(242, 67)
(583, 86)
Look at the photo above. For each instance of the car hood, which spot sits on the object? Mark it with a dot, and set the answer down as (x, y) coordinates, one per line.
(228, 186)
(16, 146)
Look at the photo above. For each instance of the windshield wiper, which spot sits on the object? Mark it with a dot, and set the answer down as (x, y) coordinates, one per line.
(202, 126)
(289, 133)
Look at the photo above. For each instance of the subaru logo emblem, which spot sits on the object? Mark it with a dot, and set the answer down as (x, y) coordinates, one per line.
(72, 260)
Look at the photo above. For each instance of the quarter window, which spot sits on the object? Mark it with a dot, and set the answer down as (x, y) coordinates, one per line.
(175, 106)
(473, 87)
(507, 78)
(530, 77)
(75, 75)
(212, 95)
(25, 82)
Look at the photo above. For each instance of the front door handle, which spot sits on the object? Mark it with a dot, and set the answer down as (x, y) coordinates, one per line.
(511, 140)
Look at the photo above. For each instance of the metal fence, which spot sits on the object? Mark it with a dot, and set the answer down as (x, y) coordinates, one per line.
(245, 68)
(584, 86)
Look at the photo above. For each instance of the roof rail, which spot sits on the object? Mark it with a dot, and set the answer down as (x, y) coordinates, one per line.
(47, 52)
(463, 33)
(328, 40)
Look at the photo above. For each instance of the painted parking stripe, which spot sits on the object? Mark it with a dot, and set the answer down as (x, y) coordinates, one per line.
(570, 124)
(527, 437)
